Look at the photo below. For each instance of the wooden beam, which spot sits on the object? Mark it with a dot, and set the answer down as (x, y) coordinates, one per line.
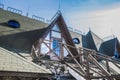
(107, 66)
(80, 73)
(80, 67)
(87, 68)
(102, 56)
(71, 58)
(25, 74)
(97, 64)
(107, 77)
(100, 67)
(117, 65)
(91, 58)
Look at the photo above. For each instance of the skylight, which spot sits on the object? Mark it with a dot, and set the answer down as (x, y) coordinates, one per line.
(13, 24)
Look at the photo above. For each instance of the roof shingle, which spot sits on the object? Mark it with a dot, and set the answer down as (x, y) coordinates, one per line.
(10, 61)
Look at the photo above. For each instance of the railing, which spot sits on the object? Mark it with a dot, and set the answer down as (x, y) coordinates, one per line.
(108, 38)
(1, 5)
(14, 10)
(38, 18)
(70, 29)
(17, 11)
(74, 30)
(48, 21)
(77, 31)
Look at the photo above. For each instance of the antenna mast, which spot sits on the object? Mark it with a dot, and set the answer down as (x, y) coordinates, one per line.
(59, 6)
(28, 8)
(27, 14)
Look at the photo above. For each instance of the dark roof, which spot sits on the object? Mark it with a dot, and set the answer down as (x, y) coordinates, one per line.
(21, 41)
(92, 41)
(108, 47)
(84, 41)
(118, 47)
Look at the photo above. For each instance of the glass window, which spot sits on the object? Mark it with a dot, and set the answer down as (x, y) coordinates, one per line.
(13, 24)
(44, 48)
(56, 46)
(76, 41)
(48, 37)
(65, 52)
(63, 41)
(56, 34)
(56, 28)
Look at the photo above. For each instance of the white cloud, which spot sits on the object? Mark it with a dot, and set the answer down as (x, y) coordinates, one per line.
(103, 22)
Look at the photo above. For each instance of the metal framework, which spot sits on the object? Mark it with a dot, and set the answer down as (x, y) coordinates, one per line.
(88, 64)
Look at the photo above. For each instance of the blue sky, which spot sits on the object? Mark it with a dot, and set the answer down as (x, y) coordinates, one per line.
(48, 8)
(102, 16)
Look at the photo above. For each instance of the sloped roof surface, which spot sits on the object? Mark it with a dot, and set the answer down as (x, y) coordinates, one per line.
(108, 47)
(97, 40)
(93, 41)
(118, 46)
(22, 41)
(90, 41)
(12, 62)
(26, 24)
(84, 41)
